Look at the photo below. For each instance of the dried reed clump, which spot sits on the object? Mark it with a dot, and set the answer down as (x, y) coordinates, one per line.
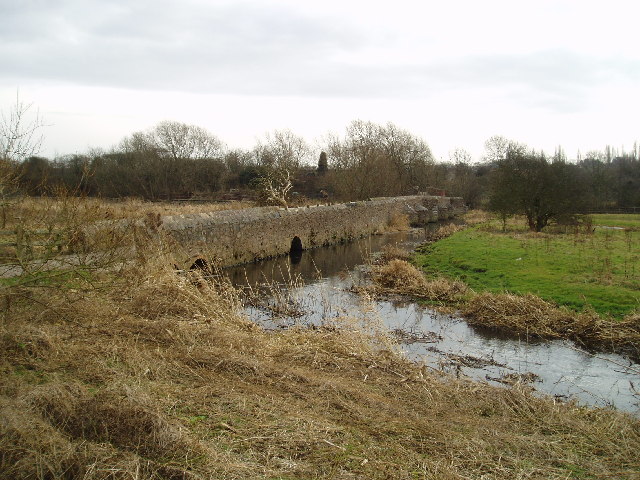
(392, 252)
(519, 314)
(33, 449)
(343, 342)
(165, 293)
(400, 277)
(128, 420)
(26, 341)
(622, 336)
(398, 222)
(444, 231)
(30, 447)
(56, 402)
(531, 315)
(444, 290)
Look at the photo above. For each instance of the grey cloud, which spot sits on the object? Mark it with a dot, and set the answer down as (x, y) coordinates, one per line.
(256, 49)
(142, 44)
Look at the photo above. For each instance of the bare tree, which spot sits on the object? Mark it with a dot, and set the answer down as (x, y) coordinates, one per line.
(20, 138)
(173, 159)
(462, 179)
(20, 135)
(375, 160)
(274, 187)
(460, 156)
(185, 142)
(281, 155)
(498, 147)
(282, 150)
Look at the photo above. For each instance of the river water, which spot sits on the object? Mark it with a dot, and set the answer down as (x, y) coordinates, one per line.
(315, 289)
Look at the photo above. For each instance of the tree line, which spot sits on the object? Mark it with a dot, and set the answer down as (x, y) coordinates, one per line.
(175, 160)
(178, 161)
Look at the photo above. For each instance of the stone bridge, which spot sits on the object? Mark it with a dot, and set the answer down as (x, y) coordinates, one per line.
(232, 237)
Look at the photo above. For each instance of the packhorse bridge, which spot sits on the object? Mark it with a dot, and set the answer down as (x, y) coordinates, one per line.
(231, 237)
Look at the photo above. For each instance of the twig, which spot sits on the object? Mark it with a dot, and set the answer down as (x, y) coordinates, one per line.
(334, 445)
(226, 426)
(253, 438)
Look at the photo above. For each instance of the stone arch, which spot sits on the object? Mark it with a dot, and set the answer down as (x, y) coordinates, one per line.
(201, 264)
(296, 246)
(295, 252)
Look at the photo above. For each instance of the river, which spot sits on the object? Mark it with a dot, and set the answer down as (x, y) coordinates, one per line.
(315, 289)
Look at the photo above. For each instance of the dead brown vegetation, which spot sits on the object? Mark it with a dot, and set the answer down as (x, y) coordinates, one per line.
(153, 374)
(41, 229)
(160, 377)
(392, 252)
(400, 277)
(398, 223)
(48, 208)
(444, 231)
(473, 217)
(530, 315)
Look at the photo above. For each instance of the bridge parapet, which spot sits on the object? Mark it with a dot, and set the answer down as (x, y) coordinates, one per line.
(239, 236)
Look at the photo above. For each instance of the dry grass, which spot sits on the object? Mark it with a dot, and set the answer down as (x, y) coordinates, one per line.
(400, 277)
(51, 225)
(156, 375)
(44, 209)
(398, 222)
(444, 231)
(161, 377)
(392, 252)
(530, 315)
(38, 229)
(68, 235)
(473, 217)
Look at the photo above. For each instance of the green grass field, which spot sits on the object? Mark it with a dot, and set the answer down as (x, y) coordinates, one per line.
(601, 270)
(617, 220)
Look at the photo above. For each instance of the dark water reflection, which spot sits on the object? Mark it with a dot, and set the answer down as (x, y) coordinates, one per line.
(319, 263)
(315, 290)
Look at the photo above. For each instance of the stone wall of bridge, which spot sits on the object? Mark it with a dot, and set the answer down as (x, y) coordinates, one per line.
(232, 237)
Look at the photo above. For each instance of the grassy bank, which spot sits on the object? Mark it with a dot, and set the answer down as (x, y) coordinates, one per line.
(544, 285)
(148, 374)
(158, 376)
(599, 270)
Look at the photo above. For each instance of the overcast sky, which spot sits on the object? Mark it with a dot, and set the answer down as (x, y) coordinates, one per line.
(453, 72)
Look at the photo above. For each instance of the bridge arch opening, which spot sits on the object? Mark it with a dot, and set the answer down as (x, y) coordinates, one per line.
(295, 252)
(296, 245)
(202, 265)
